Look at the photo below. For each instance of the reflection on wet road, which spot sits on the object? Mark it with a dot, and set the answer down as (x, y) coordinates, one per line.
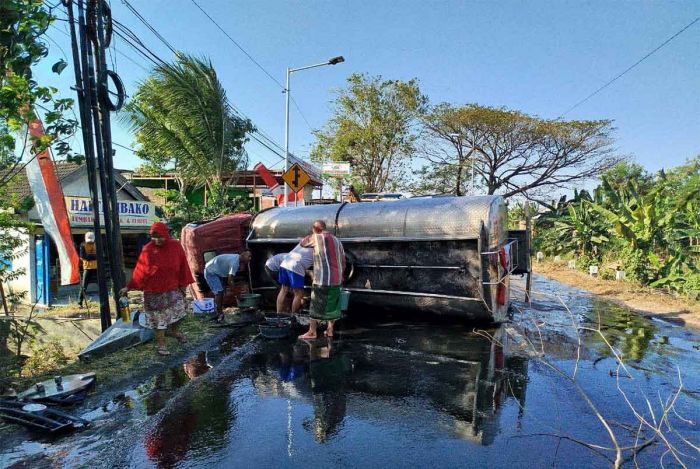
(392, 391)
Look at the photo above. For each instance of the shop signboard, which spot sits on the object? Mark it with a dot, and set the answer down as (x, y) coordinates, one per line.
(336, 170)
(132, 213)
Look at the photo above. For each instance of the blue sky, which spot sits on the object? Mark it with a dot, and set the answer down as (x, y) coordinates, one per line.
(539, 57)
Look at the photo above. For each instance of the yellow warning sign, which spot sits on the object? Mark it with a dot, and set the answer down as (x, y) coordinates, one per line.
(296, 178)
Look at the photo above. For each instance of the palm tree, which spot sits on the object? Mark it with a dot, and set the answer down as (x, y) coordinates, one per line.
(184, 121)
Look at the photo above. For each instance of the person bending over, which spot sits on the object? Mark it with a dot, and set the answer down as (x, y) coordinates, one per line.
(219, 273)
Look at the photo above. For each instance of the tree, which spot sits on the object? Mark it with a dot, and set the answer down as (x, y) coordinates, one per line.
(619, 176)
(515, 153)
(184, 122)
(23, 24)
(372, 128)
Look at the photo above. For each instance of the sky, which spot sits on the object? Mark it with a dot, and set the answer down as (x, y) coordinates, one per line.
(539, 57)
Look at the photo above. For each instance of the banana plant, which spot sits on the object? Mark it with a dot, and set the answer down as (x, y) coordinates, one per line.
(636, 218)
(582, 231)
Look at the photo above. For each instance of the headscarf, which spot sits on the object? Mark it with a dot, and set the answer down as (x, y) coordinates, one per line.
(161, 268)
(89, 237)
(161, 229)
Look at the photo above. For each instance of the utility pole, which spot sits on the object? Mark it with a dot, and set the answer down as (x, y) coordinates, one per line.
(91, 84)
(82, 87)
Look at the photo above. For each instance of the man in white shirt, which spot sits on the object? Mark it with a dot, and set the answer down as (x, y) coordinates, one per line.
(222, 269)
(272, 265)
(291, 276)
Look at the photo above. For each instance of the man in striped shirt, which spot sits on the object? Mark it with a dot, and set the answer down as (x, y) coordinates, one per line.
(329, 264)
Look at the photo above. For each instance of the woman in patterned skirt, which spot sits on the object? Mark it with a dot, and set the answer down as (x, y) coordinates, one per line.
(162, 274)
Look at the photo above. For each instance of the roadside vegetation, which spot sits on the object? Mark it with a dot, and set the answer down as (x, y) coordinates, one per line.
(647, 225)
(49, 358)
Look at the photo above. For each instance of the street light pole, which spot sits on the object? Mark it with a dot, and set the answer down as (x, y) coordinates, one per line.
(286, 132)
(333, 61)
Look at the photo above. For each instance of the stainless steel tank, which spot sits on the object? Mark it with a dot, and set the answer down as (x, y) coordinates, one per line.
(436, 254)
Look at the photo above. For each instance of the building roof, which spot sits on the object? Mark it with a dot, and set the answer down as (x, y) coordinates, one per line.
(65, 171)
(245, 178)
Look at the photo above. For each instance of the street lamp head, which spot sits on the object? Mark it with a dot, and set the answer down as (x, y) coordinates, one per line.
(336, 60)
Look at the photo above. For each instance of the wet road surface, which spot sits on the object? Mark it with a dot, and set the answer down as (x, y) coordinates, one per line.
(394, 392)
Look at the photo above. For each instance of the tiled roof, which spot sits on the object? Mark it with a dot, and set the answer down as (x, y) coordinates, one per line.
(20, 185)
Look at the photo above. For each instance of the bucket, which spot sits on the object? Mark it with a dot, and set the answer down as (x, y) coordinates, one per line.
(276, 328)
(344, 299)
(249, 300)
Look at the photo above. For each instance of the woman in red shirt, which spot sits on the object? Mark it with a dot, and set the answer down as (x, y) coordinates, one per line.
(162, 273)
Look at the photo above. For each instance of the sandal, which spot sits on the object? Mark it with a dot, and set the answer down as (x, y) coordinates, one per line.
(162, 352)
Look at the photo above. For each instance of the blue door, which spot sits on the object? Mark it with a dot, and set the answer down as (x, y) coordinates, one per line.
(42, 262)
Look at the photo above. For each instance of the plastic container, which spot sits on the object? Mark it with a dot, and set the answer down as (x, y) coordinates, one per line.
(276, 328)
(249, 300)
(344, 299)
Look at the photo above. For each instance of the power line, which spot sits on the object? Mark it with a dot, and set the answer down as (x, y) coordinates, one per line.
(610, 82)
(134, 41)
(301, 113)
(149, 26)
(118, 51)
(239, 46)
(252, 59)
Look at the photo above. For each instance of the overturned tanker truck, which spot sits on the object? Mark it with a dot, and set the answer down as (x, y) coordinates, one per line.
(442, 255)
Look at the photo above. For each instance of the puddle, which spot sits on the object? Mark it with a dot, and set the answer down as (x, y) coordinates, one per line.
(397, 392)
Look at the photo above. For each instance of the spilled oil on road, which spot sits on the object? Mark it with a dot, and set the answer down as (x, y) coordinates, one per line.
(571, 381)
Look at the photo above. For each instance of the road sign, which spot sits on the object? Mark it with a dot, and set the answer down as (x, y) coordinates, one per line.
(296, 178)
(336, 170)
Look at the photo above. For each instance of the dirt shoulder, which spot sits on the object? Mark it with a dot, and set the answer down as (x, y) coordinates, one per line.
(642, 300)
(131, 363)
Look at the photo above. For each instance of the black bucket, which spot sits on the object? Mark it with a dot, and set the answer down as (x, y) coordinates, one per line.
(276, 328)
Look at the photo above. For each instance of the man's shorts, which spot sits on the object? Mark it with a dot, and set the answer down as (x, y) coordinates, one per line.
(290, 279)
(214, 281)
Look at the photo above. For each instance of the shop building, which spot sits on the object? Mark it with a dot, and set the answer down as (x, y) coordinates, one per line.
(39, 258)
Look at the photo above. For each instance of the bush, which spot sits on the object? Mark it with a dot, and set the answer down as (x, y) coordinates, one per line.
(45, 357)
(636, 265)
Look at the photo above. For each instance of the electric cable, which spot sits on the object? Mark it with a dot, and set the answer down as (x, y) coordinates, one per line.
(149, 26)
(129, 37)
(257, 64)
(628, 69)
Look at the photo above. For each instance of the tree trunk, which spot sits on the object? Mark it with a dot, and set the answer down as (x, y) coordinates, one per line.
(458, 189)
(4, 300)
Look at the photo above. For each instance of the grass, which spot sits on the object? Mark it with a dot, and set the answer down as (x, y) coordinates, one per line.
(130, 362)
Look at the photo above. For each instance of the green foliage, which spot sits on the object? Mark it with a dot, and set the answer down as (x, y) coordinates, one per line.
(183, 121)
(516, 213)
(22, 331)
(619, 176)
(650, 225)
(23, 24)
(179, 211)
(582, 231)
(512, 152)
(373, 129)
(45, 357)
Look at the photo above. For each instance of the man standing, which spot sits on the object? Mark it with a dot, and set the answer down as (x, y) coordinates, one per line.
(291, 275)
(88, 257)
(219, 272)
(329, 264)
